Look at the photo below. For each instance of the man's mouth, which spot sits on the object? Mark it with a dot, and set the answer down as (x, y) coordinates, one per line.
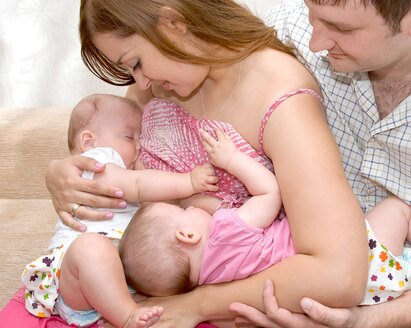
(335, 55)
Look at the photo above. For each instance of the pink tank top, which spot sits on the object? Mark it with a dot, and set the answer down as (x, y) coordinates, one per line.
(170, 141)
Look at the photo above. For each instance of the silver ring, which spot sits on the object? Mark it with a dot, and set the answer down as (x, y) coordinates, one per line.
(74, 209)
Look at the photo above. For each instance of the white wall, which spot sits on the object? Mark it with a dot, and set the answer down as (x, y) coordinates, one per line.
(259, 6)
(40, 62)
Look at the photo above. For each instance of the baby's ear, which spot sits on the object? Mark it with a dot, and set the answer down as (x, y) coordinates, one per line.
(87, 139)
(187, 236)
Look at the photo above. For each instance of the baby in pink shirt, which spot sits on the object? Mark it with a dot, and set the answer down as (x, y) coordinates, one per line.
(168, 250)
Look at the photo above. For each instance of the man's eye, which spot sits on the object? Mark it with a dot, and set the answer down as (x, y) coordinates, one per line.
(344, 31)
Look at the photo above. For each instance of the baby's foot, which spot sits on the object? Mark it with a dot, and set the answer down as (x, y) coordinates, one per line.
(144, 317)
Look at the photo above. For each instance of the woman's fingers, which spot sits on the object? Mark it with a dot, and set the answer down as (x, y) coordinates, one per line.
(96, 188)
(83, 212)
(86, 163)
(87, 213)
(71, 222)
(89, 193)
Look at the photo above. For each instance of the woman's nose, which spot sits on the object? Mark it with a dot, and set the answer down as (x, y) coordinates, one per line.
(142, 81)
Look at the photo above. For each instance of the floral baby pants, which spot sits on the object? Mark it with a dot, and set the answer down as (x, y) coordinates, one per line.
(42, 279)
(388, 275)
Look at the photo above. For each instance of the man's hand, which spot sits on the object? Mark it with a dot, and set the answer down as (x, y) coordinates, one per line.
(317, 315)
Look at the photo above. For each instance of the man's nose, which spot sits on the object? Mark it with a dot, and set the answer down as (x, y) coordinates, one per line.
(320, 38)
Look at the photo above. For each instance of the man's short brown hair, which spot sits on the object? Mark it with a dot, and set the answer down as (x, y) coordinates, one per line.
(393, 11)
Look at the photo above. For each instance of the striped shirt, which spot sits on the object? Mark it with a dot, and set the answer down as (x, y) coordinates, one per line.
(376, 153)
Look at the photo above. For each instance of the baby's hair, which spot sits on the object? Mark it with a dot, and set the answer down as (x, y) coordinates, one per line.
(153, 260)
(87, 111)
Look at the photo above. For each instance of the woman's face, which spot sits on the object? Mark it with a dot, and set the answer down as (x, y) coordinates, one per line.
(149, 66)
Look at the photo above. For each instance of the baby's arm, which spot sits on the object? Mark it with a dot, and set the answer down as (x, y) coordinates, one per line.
(262, 208)
(390, 222)
(155, 185)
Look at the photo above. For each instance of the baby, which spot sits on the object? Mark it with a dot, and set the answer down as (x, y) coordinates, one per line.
(168, 250)
(83, 279)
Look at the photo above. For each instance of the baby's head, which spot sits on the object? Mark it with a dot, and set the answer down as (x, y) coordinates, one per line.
(160, 256)
(104, 120)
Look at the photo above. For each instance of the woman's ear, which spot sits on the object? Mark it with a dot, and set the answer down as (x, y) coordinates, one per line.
(188, 236)
(173, 20)
(87, 140)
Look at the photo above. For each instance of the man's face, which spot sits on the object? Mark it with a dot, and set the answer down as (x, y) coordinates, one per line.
(357, 38)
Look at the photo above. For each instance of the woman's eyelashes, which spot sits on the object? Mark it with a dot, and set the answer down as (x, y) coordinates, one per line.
(137, 65)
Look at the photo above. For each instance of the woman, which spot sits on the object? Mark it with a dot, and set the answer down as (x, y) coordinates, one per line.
(219, 62)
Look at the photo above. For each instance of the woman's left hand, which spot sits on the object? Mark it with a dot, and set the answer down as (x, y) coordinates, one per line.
(317, 315)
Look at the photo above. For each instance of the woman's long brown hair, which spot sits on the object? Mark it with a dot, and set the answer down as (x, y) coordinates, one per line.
(220, 23)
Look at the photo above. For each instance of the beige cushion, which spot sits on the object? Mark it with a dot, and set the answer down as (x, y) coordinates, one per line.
(29, 139)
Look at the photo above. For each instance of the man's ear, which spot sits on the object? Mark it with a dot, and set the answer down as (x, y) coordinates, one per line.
(87, 140)
(173, 20)
(406, 23)
(188, 236)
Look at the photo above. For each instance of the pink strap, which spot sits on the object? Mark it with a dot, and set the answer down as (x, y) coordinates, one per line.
(278, 102)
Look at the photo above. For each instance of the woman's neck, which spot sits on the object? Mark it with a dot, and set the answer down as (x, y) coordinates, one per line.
(222, 89)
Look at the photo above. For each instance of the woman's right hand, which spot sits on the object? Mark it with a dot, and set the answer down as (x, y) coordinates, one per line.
(67, 188)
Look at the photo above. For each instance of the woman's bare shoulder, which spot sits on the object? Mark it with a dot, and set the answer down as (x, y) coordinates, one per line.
(283, 72)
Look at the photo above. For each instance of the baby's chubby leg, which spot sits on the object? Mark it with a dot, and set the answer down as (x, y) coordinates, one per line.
(390, 222)
(92, 277)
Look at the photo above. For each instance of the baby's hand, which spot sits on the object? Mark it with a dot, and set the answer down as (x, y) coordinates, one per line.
(220, 150)
(203, 178)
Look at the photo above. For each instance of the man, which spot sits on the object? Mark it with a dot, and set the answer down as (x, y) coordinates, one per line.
(360, 53)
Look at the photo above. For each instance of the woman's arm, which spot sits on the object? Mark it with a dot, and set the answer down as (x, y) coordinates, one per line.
(327, 224)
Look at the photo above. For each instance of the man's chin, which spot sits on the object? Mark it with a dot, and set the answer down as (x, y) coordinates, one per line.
(342, 66)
